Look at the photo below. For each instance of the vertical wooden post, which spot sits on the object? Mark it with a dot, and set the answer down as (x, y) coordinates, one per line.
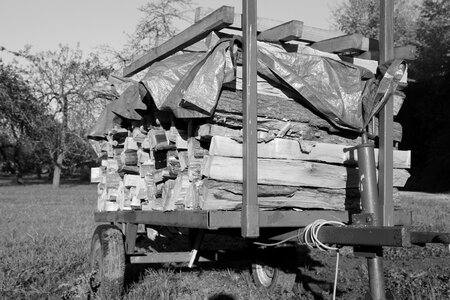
(250, 209)
(385, 180)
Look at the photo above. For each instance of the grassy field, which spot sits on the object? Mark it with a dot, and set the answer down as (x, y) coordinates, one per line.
(45, 238)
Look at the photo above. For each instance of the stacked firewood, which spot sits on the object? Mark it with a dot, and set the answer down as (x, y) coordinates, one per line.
(169, 164)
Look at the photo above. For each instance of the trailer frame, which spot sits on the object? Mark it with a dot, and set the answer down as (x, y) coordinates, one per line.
(377, 226)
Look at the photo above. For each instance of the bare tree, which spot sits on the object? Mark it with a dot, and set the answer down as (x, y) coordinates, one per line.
(363, 16)
(155, 27)
(62, 81)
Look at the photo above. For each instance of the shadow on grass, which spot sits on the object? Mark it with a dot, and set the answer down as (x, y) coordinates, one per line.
(9, 180)
(295, 259)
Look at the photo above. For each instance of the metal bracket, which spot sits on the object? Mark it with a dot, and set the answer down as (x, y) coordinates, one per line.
(367, 252)
(363, 219)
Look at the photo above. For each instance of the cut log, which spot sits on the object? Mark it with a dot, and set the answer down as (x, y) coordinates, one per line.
(291, 173)
(96, 175)
(216, 199)
(129, 158)
(158, 139)
(273, 108)
(217, 20)
(218, 195)
(209, 130)
(146, 169)
(131, 180)
(302, 150)
(130, 145)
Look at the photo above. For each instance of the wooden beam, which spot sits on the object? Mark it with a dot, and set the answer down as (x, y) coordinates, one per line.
(304, 150)
(261, 23)
(408, 52)
(217, 20)
(285, 32)
(291, 173)
(347, 43)
(309, 33)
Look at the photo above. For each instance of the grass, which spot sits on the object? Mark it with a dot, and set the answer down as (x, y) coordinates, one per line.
(45, 238)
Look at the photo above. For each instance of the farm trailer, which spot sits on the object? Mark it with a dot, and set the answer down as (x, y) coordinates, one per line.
(377, 225)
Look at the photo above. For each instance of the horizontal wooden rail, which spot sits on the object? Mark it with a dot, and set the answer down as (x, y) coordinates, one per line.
(216, 20)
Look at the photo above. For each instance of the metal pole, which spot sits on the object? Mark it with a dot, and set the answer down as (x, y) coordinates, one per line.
(369, 200)
(250, 209)
(386, 118)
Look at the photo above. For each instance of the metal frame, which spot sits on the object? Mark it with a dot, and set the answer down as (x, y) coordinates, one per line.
(250, 209)
(375, 225)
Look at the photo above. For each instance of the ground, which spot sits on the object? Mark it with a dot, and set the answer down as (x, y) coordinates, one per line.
(45, 238)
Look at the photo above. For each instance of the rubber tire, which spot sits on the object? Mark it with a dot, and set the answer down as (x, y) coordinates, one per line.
(107, 263)
(272, 278)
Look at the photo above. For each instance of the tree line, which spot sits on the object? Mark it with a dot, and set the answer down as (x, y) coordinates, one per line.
(51, 99)
(425, 113)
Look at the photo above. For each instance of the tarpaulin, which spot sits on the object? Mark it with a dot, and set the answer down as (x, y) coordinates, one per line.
(105, 123)
(189, 84)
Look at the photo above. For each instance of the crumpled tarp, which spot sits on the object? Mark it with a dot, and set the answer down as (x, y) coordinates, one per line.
(189, 85)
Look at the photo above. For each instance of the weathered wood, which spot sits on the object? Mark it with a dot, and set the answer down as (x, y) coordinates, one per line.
(210, 130)
(309, 33)
(226, 195)
(271, 108)
(215, 199)
(261, 23)
(346, 43)
(285, 32)
(129, 158)
(302, 150)
(158, 139)
(96, 175)
(130, 145)
(408, 52)
(291, 173)
(217, 20)
(131, 180)
(195, 159)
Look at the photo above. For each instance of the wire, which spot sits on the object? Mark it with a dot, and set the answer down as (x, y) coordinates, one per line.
(336, 271)
(311, 239)
(310, 236)
(277, 243)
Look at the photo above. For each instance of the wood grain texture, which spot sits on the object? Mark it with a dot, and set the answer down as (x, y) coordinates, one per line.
(289, 31)
(302, 150)
(408, 52)
(291, 173)
(309, 33)
(346, 43)
(220, 18)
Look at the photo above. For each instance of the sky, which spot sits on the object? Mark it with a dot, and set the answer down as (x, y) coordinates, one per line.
(44, 24)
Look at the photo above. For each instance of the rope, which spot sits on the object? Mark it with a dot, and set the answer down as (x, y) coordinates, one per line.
(310, 237)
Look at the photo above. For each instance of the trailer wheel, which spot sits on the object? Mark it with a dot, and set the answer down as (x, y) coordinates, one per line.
(272, 278)
(107, 262)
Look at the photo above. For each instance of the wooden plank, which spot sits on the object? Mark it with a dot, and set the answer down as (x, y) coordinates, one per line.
(285, 32)
(217, 20)
(347, 43)
(309, 33)
(304, 150)
(261, 23)
(408, 52)
(224, 195)
(291, 173)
